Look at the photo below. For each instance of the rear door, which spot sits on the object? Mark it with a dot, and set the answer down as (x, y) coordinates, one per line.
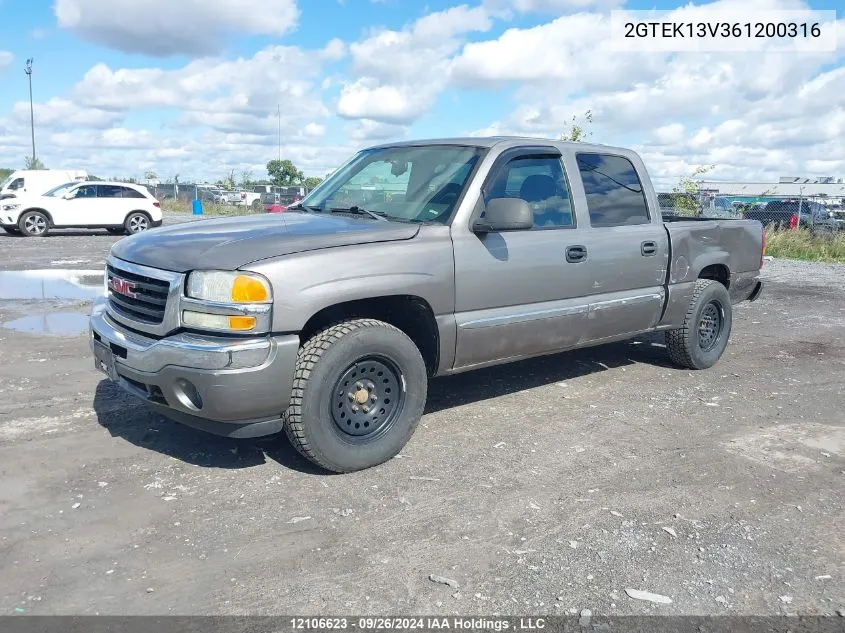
(626, 246)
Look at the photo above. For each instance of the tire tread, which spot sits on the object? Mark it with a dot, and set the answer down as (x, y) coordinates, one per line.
(307, 358)
(678, 341)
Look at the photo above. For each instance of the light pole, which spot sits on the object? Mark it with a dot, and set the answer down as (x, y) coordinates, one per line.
(279, 112)
(28, 71)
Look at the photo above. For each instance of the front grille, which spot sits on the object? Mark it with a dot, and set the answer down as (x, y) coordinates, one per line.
(150, 296)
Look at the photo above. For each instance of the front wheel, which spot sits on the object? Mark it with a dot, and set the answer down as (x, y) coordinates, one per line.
(702, 338)
(359, 392)
(33, 224)
(136, 223)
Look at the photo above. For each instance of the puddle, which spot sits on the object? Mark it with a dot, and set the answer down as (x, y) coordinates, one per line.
(58, 324)
(51, 284)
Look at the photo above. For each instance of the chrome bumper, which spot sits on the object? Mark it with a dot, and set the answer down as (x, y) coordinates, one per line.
(226, 386)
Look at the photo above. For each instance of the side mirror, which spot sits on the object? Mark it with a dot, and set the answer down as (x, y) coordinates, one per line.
(505, 214)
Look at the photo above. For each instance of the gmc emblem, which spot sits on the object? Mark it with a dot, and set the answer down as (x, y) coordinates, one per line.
(122, 287)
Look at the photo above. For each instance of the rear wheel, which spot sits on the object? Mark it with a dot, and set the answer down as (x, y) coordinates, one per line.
(703, 337)
(358, 394)
(33, 224)
(136, 222)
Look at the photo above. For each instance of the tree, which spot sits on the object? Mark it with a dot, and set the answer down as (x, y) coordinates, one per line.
(578, 132)
(228, 180)
(246, 178)
(32, 162)
(150, 175)
(5, 172)
(311, 182)
(685, 193)
(284, 173)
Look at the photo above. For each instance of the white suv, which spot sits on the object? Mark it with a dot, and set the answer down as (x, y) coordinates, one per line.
(118, 207)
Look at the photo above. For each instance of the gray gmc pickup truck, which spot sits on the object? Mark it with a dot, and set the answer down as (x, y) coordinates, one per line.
(412, 260)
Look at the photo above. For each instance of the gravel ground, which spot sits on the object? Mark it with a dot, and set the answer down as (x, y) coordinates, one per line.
(545, 486)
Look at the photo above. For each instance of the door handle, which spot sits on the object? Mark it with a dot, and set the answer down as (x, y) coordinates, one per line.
(576, 254)
(648, 248)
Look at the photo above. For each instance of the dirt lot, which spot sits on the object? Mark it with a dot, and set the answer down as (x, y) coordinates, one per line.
(539, 487)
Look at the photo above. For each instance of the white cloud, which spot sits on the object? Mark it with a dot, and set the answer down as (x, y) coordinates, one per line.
(169, 27)
(60, 113)
(334, 50)
(548, 6)
(400, 73)
(237, 95)
(367, 130)
(5, 59)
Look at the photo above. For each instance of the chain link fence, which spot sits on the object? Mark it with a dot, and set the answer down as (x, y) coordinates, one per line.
(219, 200)
(819, 214)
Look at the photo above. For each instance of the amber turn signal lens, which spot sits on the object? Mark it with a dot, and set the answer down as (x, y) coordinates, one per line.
(248, 290)
(241, 323)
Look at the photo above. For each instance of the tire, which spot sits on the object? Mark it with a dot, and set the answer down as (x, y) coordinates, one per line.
(33, 224)
(321, 420)
(702, 339)
(11, 231)
(136, 222)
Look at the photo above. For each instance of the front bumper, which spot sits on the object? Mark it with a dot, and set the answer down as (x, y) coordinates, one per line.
(225, 386)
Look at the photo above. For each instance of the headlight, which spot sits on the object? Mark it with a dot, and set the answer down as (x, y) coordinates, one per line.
(228, 287)
(11, 207)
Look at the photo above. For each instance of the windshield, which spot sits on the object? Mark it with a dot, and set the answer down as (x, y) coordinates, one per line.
(412, 184)
(57, 191)
(6, 182)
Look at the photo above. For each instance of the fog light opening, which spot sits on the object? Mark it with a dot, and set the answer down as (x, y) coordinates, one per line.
(187, 394)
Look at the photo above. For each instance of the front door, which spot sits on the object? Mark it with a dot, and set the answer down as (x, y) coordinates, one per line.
(515, 292)
(78, 209)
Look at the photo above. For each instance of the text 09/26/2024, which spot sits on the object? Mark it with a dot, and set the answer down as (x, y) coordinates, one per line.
(702, 29)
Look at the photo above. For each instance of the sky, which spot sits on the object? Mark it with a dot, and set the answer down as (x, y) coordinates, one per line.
(198, 88)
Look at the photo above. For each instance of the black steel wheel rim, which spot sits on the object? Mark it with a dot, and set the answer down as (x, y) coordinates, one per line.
(710, 326)
(367, 398)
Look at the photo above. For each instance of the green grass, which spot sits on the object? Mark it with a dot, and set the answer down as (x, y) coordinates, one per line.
(801, 244)
(208, 208)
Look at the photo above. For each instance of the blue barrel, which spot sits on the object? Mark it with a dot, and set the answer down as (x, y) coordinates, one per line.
(197, 207)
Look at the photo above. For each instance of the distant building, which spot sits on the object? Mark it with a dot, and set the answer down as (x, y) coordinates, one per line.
(789, 186)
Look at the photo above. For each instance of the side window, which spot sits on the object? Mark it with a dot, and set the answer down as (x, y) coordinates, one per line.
(615, 194)
(130, 193)
(541, 182)
(108, 191)
(85, 191)
(17, 183)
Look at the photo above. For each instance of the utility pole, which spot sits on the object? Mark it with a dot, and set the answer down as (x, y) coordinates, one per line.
(279, 112)
(28, 71)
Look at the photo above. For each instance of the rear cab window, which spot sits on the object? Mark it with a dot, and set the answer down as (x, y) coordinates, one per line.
(614, 191)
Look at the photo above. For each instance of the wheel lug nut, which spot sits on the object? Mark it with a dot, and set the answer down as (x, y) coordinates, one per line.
(359, 386)
(351, 396)
(373, 398)
(366, 409)
(355, 408)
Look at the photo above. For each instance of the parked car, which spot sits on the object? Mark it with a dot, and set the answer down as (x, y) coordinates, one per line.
(785, 213)
(118, 207)
(281, 203)
(329, 324)
(35, 182)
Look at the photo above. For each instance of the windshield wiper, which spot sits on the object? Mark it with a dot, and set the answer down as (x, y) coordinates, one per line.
(299, 206)
(359, 211)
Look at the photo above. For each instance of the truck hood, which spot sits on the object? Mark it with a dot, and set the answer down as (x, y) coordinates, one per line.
(229, 243)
